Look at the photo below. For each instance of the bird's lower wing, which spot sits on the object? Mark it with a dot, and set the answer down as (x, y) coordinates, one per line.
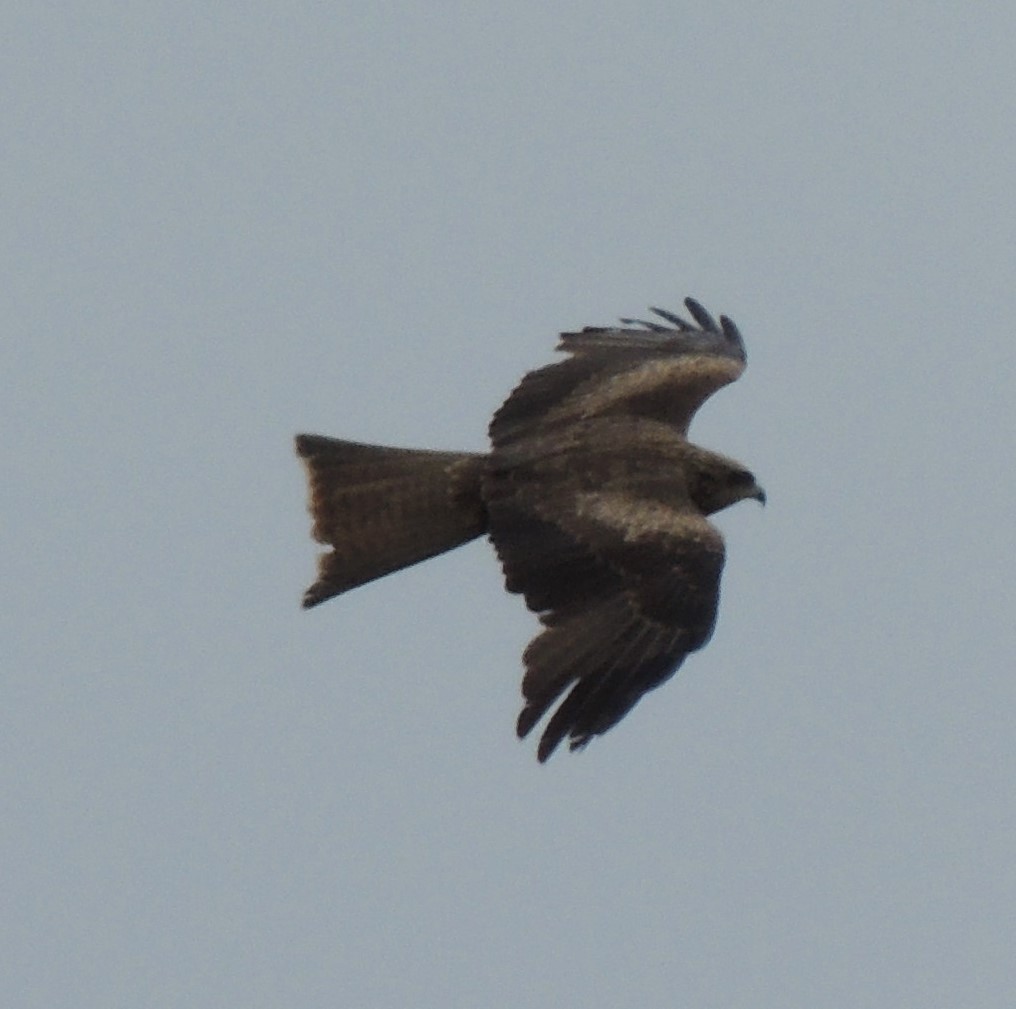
(626, 587)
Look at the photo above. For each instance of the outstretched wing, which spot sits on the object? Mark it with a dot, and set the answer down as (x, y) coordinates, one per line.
(594, 526)
(662, 372)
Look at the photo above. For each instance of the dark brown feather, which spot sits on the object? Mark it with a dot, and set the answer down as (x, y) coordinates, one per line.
(608, 547)
(663, 374)
(382, 509)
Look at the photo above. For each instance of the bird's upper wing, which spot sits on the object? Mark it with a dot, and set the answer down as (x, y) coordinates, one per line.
(661, 372)
(594, 526)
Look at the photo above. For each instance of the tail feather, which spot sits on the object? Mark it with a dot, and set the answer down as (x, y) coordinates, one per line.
(382, 509)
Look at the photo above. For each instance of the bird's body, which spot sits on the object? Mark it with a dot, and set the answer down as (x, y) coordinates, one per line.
(594, 499)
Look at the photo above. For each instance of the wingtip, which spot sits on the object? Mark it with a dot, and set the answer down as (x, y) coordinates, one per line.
(653, 327)
(730, 330)
(704, 321)
(724, 331)
(546, 748)
(701, 315)
(528, 717)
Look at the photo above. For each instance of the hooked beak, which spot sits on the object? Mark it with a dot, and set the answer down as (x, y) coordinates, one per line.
(760, 496)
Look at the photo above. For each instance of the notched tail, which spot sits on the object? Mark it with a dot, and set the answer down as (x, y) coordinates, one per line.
(382, 509)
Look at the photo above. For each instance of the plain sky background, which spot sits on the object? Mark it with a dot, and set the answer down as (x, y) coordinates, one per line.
(225, 224)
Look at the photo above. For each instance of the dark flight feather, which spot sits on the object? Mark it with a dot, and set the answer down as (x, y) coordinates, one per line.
(593, 498)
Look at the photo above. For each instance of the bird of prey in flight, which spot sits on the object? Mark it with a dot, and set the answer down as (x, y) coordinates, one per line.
(594, 499)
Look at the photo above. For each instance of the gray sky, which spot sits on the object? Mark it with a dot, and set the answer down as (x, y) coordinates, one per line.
(225, 227)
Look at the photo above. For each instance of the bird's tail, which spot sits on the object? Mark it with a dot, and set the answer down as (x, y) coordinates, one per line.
(382, 509)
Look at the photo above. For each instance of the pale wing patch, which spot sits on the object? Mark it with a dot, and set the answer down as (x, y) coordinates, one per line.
(640, 519)
(673, 388)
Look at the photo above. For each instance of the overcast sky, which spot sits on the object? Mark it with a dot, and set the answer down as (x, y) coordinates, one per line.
(227, 224)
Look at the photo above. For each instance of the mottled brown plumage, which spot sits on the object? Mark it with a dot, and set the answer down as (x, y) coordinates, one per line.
(594, 499)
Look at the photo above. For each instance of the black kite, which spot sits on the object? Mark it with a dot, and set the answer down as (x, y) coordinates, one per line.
(595, 501)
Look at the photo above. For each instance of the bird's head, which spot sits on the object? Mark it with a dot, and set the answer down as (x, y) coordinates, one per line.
(717, 482)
